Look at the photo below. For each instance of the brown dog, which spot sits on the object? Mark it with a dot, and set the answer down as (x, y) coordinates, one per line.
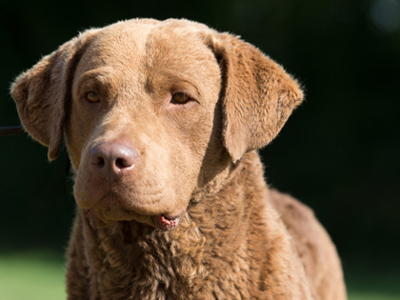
(162, 120)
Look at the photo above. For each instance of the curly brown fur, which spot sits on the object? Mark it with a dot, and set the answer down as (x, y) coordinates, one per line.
(172, 202)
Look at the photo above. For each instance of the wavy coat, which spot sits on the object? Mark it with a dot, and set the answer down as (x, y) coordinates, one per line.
(234, 238)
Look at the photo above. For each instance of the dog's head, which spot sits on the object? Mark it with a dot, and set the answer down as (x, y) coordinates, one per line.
(154, 114)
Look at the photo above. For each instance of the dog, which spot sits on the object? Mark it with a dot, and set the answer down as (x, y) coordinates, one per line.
(162, 121)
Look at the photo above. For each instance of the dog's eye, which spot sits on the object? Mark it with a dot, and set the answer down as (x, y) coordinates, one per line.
(93, 97)
(180, 98)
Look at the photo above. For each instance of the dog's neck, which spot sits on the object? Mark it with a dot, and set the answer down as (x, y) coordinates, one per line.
(130, 258)
(135, 259)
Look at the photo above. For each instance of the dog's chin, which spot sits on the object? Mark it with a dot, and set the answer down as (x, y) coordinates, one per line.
(114, 207)
(163, 222)
(100, 218)
(97, 220)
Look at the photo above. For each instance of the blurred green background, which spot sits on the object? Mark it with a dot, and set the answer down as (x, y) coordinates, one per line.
(339, 153)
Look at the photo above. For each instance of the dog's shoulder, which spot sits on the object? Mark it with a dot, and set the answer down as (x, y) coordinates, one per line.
(292, 211)
(313, 245)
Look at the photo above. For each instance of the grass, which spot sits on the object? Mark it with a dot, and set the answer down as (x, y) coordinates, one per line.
(32, 275)
(377, 285)
(40, 276)
(371, 296)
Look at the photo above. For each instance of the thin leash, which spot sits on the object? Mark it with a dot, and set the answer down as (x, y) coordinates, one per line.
(11, 130)
(17, 130)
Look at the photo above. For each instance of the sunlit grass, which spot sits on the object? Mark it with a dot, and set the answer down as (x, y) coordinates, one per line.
(33, 275)
(368, 285)
(372, 296)
(40, 276)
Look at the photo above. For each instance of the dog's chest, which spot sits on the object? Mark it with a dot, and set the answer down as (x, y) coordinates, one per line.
(160, 266)
(156, 276)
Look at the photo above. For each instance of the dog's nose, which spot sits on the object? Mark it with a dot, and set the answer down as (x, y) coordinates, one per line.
(112, 160)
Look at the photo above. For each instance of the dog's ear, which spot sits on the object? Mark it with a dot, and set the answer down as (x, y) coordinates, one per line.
(42, 93)
(257, 94)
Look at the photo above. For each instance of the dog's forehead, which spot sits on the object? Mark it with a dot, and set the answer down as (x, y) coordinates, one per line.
(135, 46)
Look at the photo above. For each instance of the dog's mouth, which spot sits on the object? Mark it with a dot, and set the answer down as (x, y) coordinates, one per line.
(163, 222)
(167, 223)
(95, 221)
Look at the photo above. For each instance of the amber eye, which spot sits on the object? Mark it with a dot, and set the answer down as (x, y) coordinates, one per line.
(180, 98)
(93, 97)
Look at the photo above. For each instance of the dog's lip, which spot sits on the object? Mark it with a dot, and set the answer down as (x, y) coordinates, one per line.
(167, 222)
(164, 222)
(94, 220)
